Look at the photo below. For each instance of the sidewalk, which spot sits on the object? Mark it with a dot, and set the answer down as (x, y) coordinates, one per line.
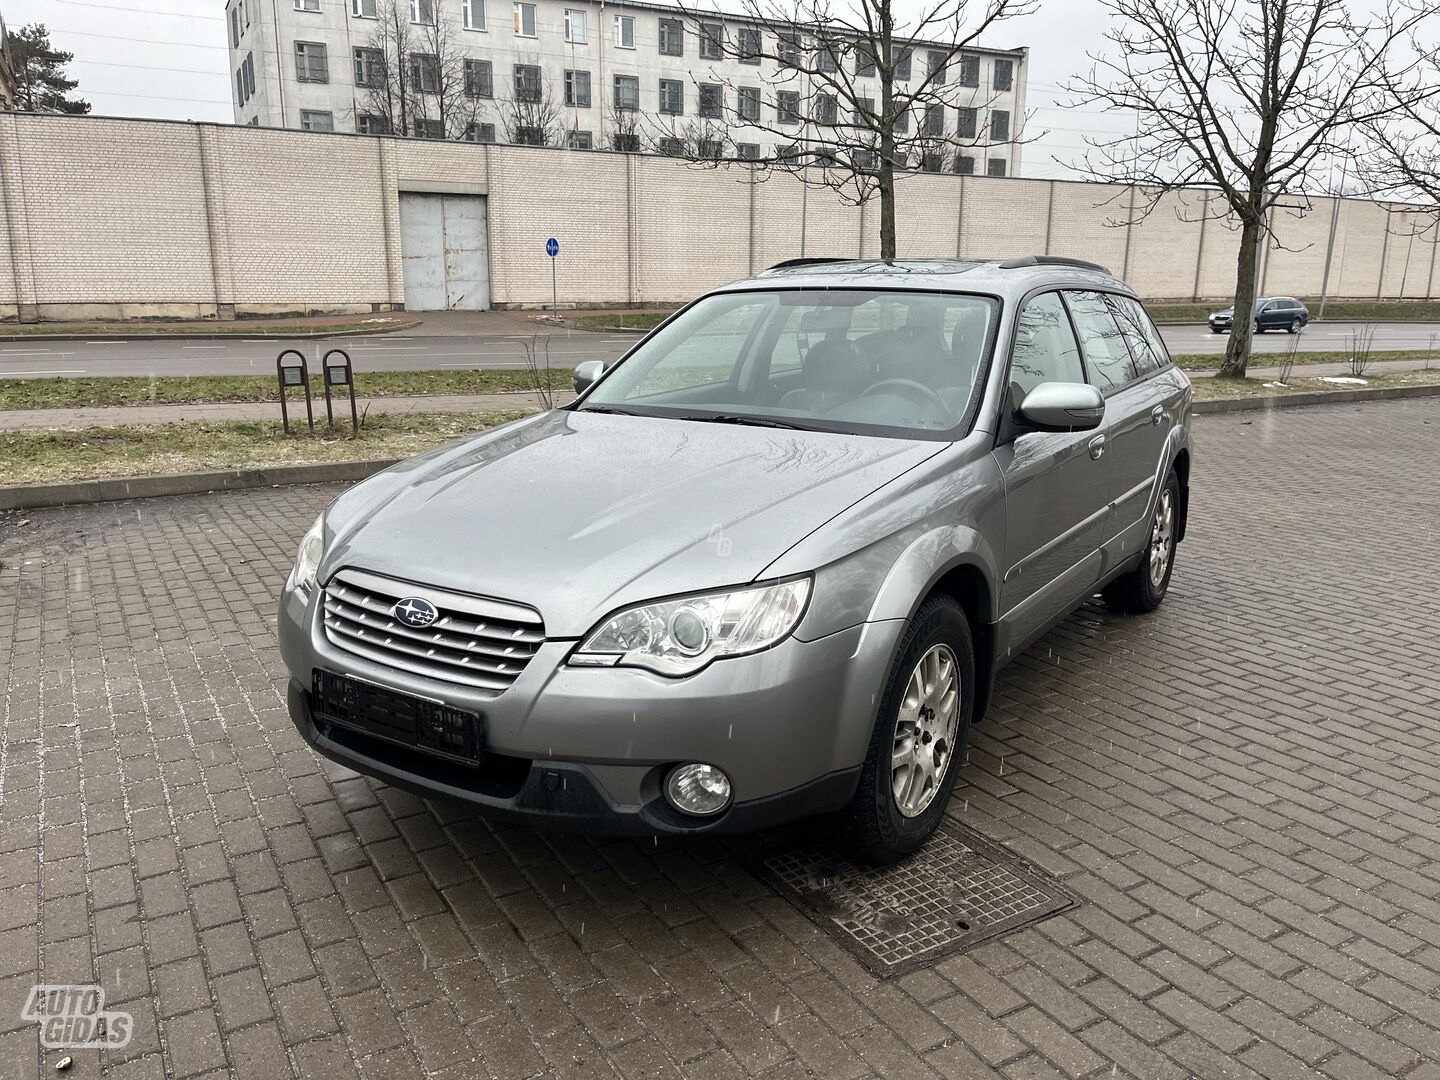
(267, 410)
(279, 327)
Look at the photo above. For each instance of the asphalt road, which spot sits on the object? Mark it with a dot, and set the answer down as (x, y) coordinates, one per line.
(489, 349)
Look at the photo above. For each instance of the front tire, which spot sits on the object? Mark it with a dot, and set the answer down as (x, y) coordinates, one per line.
(1295, 325)
(1143, 588)
(919, 737)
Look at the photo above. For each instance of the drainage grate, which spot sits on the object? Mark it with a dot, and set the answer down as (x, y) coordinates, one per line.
(959, 891)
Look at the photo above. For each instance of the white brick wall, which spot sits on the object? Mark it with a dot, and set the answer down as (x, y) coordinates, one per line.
(122, 217)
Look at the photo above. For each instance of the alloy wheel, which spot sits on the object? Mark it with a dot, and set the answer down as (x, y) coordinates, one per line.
(925, 730)
(1162, 532)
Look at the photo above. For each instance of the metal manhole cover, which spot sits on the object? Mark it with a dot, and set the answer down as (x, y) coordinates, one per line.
(958, 891)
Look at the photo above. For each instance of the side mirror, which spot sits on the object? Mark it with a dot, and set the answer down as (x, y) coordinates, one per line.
(587, 374)
(1056, 406)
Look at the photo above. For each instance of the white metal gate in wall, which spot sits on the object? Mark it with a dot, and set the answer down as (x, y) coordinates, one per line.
(446, 252)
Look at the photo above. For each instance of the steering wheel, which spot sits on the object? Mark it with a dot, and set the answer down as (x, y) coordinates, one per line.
(916, 392)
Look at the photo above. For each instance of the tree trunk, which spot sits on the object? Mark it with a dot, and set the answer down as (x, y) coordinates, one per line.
(887, 207)
(1242, 326)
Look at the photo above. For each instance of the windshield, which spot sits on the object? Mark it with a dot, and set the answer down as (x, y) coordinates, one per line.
(855, 360)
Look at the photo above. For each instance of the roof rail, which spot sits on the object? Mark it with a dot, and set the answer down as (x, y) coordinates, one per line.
(1051, 260)
(788, 264)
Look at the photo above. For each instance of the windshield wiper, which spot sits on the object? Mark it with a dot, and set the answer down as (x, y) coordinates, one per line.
(606, 409)
(748, 421)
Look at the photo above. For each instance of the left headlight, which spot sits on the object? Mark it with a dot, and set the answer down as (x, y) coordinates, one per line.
(683, 635)
(312, 550)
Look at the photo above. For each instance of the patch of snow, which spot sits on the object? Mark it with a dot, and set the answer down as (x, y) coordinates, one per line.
(1281, 384)
(1344, 380)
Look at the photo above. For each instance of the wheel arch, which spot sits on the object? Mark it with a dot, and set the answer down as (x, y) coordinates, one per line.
(1181, 465)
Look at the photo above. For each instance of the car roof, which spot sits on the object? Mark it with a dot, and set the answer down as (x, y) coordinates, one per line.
(1008, 278)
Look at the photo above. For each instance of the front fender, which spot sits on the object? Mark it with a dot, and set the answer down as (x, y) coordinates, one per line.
(923, 564)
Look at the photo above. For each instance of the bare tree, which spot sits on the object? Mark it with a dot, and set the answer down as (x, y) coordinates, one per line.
(416, 77)
(1254, 97)
(856, 90)
(1407, 164)
(530, 114)
(624, 127)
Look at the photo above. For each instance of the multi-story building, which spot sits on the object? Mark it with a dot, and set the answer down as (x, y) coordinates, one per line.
(609, 75)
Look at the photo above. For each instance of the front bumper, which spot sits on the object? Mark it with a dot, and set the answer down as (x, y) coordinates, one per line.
(587, 749)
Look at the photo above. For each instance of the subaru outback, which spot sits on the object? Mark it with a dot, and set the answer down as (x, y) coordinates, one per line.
(765, 566)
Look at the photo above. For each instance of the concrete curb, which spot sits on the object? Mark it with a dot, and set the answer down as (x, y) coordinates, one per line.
(115, 339)
(1318, 397)
(34, 496)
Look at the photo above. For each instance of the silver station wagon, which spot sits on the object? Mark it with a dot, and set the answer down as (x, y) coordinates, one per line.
(767, 564)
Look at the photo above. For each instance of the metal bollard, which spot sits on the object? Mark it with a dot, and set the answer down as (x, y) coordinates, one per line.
(291, 375)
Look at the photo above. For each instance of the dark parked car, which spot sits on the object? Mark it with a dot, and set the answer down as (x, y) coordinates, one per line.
(1271, 313)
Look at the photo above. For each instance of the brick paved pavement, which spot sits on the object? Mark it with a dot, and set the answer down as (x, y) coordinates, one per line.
(1243, 787)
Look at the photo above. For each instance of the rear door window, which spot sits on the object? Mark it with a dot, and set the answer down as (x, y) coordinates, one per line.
(1107, 357)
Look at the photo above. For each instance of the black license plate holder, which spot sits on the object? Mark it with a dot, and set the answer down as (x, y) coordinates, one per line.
(380, 712)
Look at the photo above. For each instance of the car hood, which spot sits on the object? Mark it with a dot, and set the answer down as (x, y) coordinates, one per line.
(1228, 313)
(577, 513)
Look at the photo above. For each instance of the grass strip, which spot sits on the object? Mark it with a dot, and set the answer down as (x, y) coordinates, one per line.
(47, 456)
(1208, 389)
(1211, 361)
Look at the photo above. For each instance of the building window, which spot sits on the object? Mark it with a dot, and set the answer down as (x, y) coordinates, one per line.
(712, 41)
(932, 161)
(574, 26)
(902, 120)
(865, 160)
(902, 65)
(826, 58)
(747, 51)
(362, 9)
(627, 92)
(864, 62)
(311, 62)
(624, 31)
(965, 164)
(865, 111)
(580, 140)
(789, 155)
(672, 37)
(999, 125)
(672, 97)
(527, 83)
(429, 129)
(969, 71)
(935, 67)
(577, 90)
(372, 124)
(479, 79)
(747, 103)
(307, 5)
(472, 14)
(995, 167)
(671, 146)
(531, 136)
(235, 27)
(965, 128)
(627, 142)
(313, 120)
(249, 69)
(787, 106)
(525, 20)
(369, 67)
(480, 133)
(425, 73)
(423, 11)
(826, 111)
(787, 51)
(240, 96)
(1004, 74)
(935, 121)
(712, 101)
(747, 151)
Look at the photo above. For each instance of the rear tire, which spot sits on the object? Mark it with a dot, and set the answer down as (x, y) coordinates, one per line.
(1143, 588)
(909, 771)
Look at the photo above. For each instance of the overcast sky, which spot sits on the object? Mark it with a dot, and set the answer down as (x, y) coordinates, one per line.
(168, 58)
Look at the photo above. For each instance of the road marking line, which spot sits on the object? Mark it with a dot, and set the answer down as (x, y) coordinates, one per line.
(204, 346)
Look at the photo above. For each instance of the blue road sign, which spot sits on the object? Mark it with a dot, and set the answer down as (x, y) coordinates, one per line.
(552, 247)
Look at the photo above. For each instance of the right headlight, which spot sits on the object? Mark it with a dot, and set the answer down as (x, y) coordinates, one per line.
(312, 550)
(681, 636)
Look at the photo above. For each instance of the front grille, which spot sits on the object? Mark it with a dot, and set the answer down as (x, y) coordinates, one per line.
(476, 641)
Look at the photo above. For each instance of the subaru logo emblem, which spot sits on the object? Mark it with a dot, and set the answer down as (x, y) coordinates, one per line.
(413, 611)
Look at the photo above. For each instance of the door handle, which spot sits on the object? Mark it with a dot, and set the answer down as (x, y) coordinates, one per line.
(1157, 414)
(1097, 447)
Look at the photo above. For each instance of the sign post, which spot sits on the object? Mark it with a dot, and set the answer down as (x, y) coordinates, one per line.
(340, 374)
(552, 248)
(292, 375)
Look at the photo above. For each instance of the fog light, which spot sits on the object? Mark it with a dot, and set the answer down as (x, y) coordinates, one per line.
(698, 789)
